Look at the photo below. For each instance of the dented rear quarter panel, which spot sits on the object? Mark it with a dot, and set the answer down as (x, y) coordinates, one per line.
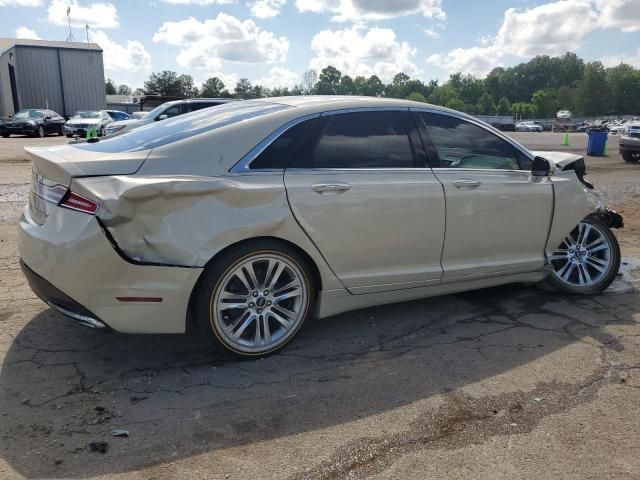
(187, 220)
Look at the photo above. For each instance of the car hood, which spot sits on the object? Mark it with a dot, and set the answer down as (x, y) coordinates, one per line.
(83, 121)
(14, 121)
(124, 123)
(562, 160)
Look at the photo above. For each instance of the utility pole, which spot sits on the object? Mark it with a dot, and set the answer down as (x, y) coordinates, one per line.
(70, 38)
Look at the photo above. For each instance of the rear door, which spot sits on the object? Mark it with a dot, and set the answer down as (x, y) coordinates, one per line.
(498, 214)
(360, 189)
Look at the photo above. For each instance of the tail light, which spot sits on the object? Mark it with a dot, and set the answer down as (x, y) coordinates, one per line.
(76, 202)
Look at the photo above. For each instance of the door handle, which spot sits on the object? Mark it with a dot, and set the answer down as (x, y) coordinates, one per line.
(329, 188)
(466, 183)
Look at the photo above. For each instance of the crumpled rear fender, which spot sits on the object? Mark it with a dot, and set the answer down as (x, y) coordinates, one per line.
(186, 220)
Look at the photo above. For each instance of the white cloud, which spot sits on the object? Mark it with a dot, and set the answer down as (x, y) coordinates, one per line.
(363, 10)
(617, 59)
(96, 15)
(199, 2)
(266, 8)
(476, 60)
(278, 77)
(355, 51)
(229, 79)
(20, 3)
(204, 45)
(552, 28)
(118, 57)
(621, 14)
(549, 29)
(27, 33)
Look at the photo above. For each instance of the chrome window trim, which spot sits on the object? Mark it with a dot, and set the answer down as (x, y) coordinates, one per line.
(340, 111)
(480, 124)
(244, 164)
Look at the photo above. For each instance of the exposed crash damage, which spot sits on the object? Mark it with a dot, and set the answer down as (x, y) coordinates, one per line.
(257, 214)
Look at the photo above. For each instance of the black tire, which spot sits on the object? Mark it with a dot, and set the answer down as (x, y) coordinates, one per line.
(69, 135)
(630, 157)
(554, 284)
(60, 131)
(214, 275)
(39, 133)
(6, 135)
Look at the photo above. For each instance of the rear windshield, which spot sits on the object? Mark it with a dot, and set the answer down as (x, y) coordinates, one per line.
(178, 128)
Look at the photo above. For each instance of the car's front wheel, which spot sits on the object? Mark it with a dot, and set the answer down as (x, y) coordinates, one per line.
(587, 260)
(631, 157)
(255, 298)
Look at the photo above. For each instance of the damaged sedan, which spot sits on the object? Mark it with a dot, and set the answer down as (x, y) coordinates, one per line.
(246, 219)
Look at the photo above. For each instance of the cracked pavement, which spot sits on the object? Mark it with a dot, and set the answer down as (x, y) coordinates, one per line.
(509, 382)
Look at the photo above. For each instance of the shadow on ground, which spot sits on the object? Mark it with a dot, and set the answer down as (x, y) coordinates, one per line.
(63, 386)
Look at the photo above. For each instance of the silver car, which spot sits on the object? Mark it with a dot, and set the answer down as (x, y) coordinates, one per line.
(246, 219)
(529, 127)
(87, 121)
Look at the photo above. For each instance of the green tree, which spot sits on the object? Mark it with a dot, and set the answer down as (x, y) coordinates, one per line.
(373, 86)
(243, 89)
(504, 107)
(346, 86)
(456, 104)
(169, 83)
(328, 81)
(624, 85)
(486, 105)
(545, 103)
(593, 96)
(110, 87)
(212, 88)
(417, 97)
(124, 89)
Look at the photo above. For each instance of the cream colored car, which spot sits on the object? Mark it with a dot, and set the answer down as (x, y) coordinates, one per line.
(247, 218)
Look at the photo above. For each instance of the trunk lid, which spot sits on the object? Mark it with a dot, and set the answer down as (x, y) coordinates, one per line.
(62, 163)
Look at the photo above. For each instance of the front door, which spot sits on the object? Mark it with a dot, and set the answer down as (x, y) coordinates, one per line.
(377, 218)
(498, 215)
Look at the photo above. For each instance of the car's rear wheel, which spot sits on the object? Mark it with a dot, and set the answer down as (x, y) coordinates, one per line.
(6, 135)
(630, 157)
(254, 299)
(60, 131)
(587, 260)
(40, 132)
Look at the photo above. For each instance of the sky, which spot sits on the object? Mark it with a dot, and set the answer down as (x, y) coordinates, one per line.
(272, 42)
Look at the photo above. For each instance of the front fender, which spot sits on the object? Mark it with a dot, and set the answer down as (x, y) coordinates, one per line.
(573, 202)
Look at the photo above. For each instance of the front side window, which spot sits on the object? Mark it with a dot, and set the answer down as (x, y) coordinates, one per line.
(173, 111)
(361, 140)
(461, 144)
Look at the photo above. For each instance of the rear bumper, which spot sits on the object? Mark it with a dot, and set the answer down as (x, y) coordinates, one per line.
(73, 267)
(60, 301)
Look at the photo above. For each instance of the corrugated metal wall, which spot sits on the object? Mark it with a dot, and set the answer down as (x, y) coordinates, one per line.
(68, 79)
(37, 78)
(83, 80)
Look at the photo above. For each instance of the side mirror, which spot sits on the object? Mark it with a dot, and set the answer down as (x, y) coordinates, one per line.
(541, 167)
(164, 116)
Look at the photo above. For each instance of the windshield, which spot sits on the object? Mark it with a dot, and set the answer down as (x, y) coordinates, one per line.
(87, 115)
(184, 126)
(156, 111)
(24, 114)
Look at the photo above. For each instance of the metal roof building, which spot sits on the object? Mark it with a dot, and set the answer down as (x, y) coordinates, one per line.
(62, 76)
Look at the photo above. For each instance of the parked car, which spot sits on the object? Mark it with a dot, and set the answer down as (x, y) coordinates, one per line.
(34, 122)
(164, 111)
(246, 219)
(117, 115)
(82, 121)
(617, 128)
(529, 126)
(630, 142)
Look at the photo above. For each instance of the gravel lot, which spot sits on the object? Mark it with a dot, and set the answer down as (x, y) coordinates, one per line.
(502, 383)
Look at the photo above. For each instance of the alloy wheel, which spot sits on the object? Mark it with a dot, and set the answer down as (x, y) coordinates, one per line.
(259, 303)
(584, 257)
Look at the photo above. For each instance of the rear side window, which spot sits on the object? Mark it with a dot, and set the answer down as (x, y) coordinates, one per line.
(360, 140)
(461, 144)
(280, 151)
